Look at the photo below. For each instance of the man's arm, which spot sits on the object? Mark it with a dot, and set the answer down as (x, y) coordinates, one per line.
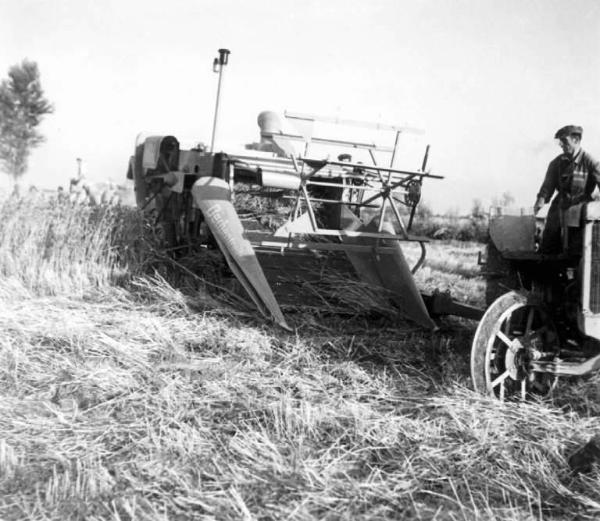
(593, 168)
(548, 187)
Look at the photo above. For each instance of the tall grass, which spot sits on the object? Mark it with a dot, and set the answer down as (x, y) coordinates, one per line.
(54, 246)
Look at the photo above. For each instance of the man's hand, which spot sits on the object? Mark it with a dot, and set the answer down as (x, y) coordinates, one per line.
(538, 204)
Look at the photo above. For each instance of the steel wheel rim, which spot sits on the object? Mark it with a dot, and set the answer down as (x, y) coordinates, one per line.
(507, 353)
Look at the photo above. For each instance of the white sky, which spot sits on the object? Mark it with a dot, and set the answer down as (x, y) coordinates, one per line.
(490, 80)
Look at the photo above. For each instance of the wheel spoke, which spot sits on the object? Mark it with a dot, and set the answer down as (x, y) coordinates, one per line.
(507, 324)
(500, 379)
(504, 338)
(530, 315)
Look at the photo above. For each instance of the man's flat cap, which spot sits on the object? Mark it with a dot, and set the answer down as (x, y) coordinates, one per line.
(567, 131)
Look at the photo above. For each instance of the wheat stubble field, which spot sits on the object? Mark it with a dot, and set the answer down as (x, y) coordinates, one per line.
(125, 395)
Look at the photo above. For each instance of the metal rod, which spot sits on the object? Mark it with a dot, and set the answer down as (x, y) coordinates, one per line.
(374, 197)
(218, 65)
(372, 156)
(351, 122)
(333, 201)
(412, 217)
(311, 213)
(402, 182)
(231, 181)
(324, 246)
(395, 148)
(353, 233)
(335, 142)
(398, 216)
(421, 259)
(214, 129)
(425, 158)
(322, 163)
(296, 210)
(357, 187)
(382, 214)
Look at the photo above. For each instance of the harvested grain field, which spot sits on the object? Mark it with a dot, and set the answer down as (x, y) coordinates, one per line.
(126, 396)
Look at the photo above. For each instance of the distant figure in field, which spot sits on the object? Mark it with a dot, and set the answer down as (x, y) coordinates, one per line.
(79, 191)
(95, 193)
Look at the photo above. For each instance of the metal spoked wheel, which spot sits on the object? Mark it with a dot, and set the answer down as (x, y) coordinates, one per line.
(513, 333)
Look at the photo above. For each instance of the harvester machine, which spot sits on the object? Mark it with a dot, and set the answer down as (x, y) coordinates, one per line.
(343, 215)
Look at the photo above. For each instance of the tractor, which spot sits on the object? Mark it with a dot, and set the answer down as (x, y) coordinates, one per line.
(543, 314)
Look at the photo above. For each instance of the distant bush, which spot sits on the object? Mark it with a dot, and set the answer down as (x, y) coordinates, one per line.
(452, 227)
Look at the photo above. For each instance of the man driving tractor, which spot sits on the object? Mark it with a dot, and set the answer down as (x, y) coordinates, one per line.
(574, 174)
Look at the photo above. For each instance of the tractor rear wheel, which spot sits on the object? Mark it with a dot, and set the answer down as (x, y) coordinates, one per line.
(512, 333)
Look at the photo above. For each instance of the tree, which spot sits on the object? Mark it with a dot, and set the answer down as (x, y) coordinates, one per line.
(22, 108)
